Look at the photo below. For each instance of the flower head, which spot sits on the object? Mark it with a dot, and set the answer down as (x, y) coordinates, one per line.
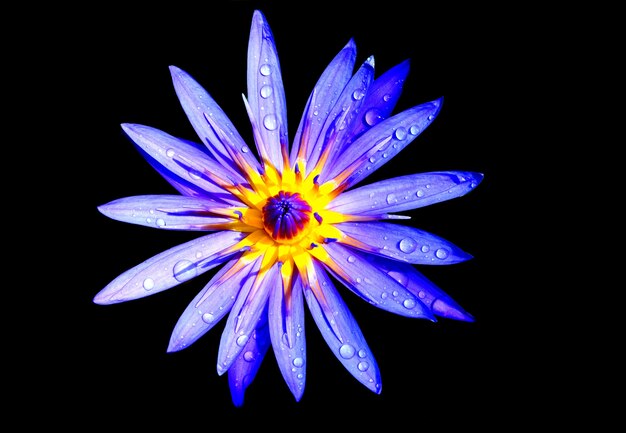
(287, 225)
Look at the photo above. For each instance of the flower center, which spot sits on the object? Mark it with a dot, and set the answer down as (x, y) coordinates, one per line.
(286, 216)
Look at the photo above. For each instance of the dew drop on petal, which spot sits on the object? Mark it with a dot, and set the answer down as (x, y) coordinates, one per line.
(419, 193)
(362, 353)
(242, 340)
(269, 122)
(414, 130)
(298, 362)
(248, 356)
(372, 116)
(425, 248)
(266, 91)
(208, 317)
(391, 198)
(431, 118)
(160, 222)
(386, 98)
(170, 153)
(351, 259)
(148, 284)
(409, 303)
(347, 351)
(441, 253)
(407, 245)
(185, 270)
(421, 294)
(358, 94)
(400, 133)
(265, 70)
(245, 149)
(363, 366)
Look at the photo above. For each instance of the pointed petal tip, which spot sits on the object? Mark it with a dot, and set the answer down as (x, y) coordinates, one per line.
(449, 311)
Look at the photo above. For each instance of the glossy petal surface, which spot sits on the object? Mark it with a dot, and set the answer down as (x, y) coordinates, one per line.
(289, 220)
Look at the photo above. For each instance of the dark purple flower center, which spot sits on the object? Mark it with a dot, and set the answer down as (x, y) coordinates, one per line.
(286, 215)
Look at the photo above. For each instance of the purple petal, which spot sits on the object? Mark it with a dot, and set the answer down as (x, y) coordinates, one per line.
(322, 99)
(343, 115)
(286, 321)
(357, 273)
(265, 92)
(171, 212)
(245, 314)
(182, 160)
(197, 104)
(381, 143)
(440, 303)
(243, 371)
(405, 192)
(403, 243)
(207, 308)
(341, 331)
(169, 268)
(381, 98)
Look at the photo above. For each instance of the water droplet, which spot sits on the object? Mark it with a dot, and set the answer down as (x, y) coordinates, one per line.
(391, 198)
(419, 193)
(346, 351)
(265, 70)
(407, 245)
(372, 116)
(266, 91)
(421, 294)
(160, 222)
(359, 280)
(425, 248)
(194, 174)
(248, 356)
(208, 317)
(242, 340)
(441, 253)
(362, 353)
(383, 295)
(170, 153)
(409, 303)
(430, 118)
(372, 159)
(414, 130)
(358, 94)
(185, 270)
(400, 133)
(298, 362)
(198, 254)
(149, 220)
(386, 98)
(363, 366)
(394, 293)
(351, 259)
(148, 284)
(270, 122)
(245, 149)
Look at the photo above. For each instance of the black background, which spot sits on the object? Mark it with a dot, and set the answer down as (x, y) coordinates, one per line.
(107, 365)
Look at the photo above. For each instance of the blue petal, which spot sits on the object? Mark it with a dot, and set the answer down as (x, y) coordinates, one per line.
(245, 314)
(266, 95)
(338, 124)
(182, 160)
(381, 143)
(341, 331)
(198, 104)
(322, 99)
(286, 321)
(357, 273)
(243, 371)
(170, 268)
(403, 243)
(440, 303)
(405, 192)
(207, 308)
(170, 212)
(381, 99)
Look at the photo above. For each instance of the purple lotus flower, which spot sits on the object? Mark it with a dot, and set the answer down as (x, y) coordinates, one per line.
(286, 224)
